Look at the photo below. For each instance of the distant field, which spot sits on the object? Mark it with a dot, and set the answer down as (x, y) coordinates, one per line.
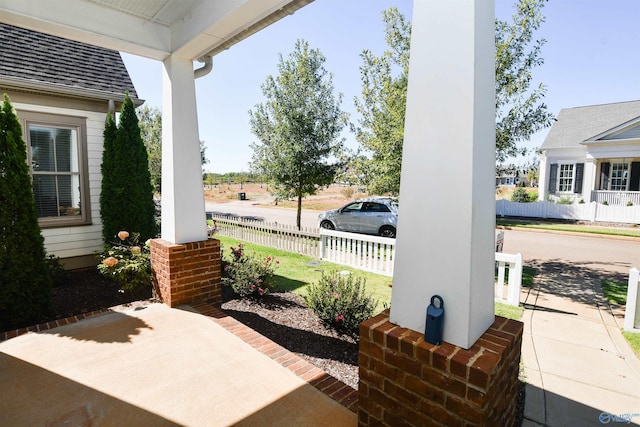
(329, 198)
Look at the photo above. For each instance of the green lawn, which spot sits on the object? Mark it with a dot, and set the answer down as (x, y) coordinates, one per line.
(633, 338)
(295, 272)
(632, 232)
(615, 292)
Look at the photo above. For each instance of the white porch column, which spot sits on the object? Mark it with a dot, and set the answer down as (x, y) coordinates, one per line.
(446, 224)
(183, 210)
(589, 179)
(542, 178)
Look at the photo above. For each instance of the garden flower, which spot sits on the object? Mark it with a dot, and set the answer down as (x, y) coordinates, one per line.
(339, 318)
(336, 295)
(261, 291)
(136, 250)
(123, 235)
(110, 262)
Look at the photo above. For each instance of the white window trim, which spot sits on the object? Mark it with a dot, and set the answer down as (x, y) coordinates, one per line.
(28, 118)
(573, 177)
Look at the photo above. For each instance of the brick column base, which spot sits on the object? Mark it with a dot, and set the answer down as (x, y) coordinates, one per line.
(183, 273)
(407, 381)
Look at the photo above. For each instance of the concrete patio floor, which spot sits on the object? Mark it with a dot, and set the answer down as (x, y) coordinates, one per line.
(153, 365)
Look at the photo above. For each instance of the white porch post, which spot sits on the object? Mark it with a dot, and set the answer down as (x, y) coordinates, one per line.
(542, 178)
(589, 179)
(446, 224)
(183, 210)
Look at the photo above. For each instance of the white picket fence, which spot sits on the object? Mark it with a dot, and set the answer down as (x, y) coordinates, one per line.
(632, 310)
(369, 253)
(280, 236)
(508, 292)
(577, 211)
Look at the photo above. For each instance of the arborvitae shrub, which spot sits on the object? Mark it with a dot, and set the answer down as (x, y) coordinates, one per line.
(25, 281)
(126, 200)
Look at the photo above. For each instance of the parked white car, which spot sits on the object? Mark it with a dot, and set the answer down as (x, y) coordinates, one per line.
(377, 216)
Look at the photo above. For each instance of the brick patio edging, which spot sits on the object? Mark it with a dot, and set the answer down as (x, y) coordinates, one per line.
(345, 395)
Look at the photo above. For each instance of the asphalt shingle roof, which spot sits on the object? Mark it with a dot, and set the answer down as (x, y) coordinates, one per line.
(34, 57)
(576, 125)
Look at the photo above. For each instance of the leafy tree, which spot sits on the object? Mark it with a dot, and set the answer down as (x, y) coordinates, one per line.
(520, 111)
(25, 281)
(126, 200)
(298, 126)
(382, 108)
(150, 122)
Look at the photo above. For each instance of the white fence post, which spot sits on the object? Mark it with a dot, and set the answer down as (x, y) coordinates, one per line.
(632, 310)
(515, 281)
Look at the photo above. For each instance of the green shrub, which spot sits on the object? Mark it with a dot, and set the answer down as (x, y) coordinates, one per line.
(25, 282)
(581, 202)
(247, 275)
(629, 203)
(127, 263)
(520, 195)
(126, 197)
(59, 275)
(605, 203)
(341, 301)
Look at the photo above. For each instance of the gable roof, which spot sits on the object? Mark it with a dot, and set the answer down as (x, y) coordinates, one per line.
(46, 63)
(576, 125)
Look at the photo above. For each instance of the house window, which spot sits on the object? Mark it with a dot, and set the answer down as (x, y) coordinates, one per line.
(619, 176)
(565, 178)
(56, 147)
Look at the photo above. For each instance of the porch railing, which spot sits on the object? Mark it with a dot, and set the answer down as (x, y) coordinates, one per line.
(616, 198)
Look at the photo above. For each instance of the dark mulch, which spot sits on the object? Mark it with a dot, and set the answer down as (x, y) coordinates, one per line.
(85, 291)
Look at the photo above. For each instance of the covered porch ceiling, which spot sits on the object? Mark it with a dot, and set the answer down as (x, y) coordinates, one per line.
(189, 29)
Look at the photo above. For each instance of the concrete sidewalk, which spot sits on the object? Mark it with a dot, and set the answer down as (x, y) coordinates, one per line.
(153, 366)
(579, 369)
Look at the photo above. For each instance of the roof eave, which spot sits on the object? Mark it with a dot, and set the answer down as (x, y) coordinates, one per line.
(53, 89)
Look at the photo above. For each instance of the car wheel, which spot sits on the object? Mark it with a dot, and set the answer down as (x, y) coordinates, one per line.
(327, 225)
(387, 231)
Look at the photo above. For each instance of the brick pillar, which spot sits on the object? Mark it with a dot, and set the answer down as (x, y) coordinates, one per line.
(407, 381)
(183, 273)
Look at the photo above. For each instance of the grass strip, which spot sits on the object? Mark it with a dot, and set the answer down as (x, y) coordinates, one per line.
(633, 338)
(611, 231)
(615, 292)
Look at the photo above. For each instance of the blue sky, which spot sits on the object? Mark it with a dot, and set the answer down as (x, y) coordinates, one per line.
(590, 58)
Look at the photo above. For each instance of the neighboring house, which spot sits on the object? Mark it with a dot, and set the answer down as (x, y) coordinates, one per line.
(62, 91)
(592, 154)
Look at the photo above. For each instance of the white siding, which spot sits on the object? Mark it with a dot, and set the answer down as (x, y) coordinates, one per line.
(86, 239)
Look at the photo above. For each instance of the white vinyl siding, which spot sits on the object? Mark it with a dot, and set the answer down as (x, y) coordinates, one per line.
(85, 239)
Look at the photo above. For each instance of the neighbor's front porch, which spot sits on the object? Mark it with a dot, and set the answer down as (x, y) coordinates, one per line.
(617, 181)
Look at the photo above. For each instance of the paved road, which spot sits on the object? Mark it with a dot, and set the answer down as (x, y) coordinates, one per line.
(591, 252)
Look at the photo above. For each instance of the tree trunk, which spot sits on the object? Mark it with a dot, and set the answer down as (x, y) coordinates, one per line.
(299, 215)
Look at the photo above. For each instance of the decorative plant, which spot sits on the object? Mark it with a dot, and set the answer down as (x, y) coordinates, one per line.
(25, 282)
(127, 262)
(629, 203)
(341, 302)
(605, 203)
(247, 275)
